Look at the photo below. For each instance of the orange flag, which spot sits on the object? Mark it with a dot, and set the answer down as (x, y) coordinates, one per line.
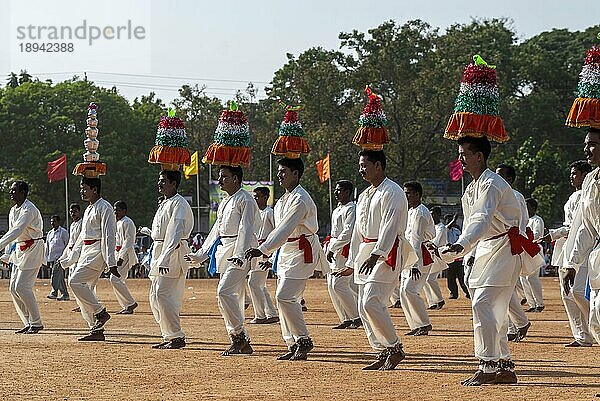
(323, 169)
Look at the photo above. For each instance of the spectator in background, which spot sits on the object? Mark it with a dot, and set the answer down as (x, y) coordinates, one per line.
(57, 240)
(455, 270)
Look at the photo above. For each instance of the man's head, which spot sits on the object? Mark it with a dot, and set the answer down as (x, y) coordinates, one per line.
(120, 208)
(55, 221)
(168, 182)
(436, 213)
(90, 188)
(507, 172)
(75, 211)
(578, 171)
(230, 178)
(343, 191)
(591, 147)
(19, 191)
(532, 206)
(414, 192)
(261, 196)
(473, 153)
(289, 172)
(371, 165)
(448, 219)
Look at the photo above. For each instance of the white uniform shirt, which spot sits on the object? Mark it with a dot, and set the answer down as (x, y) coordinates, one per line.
(24, 223)
(490, 209)
(381, 215)
(74, 230)
(419, 228)
(56, 242)
(536, 223)
(583, 239)
(559, 235)
(342, 225)
(524, 213)
(441, 235)
(125, 241)
(98, 223)
(237, 220)
(267, 223)
(171, 227)
(295, 215)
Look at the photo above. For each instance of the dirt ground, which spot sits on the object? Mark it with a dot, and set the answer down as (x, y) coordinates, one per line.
(54, 366)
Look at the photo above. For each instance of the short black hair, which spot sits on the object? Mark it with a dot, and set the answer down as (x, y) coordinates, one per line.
(482, 145)
(235, 170)
(582, 166)
(512, 173)
(55, 217)
(263, 191)
(121, 205)
(292, 164)
(92, 183)
(75, 206)
(22, 186)
(345, 184)
(533, 203)
(374, 156)
(172, 175)
(414, 185)
(436, 209)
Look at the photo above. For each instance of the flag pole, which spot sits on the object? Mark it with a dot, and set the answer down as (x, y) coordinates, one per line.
(330, 200)
(66, 200)
(198, 196)
(462, 184)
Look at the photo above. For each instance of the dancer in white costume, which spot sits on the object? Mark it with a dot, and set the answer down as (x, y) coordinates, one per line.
(25, 231)
(432, 290)
(536, 224)
(126, 257)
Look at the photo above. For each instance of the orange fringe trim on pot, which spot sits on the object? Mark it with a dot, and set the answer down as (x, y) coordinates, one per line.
(371, 138)
(463, 124)
(290, 146)
(169, 155)
(223, 155)
(90, 169)
(585, 112)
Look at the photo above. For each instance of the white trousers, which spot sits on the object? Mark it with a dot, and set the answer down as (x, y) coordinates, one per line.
(289, 294)
(577, 306)
(595, 314)
(375, 315)
(532, 287)
(166, 298)
(395, 295)
(231, 297)
(516, 315)
(122, 293)
(490, 322)
(432, 290)
(83, 283)
(343, 293)
(259, 293)
(21, 291)
(413, 305)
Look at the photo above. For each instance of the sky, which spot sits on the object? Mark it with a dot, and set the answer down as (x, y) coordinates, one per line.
(150, 45)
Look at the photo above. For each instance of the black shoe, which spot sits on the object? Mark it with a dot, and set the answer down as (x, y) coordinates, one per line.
(343, 325)
(379, 362)
(397, 304)
(239, 345)
(576, 343)
(175, 343)
(129, 310)
(395, 355)
(523, 301)
(506, 373)
(288, 355)
(412, 332)
(432, 307)
(532, 309)
(356, 323)
(539, 308)
(305, 345)
(272, 319)
(522, 332)
(101, 318)
(34, 329)
(453, 296)
(441, 304)
(64, 298)
(23, 330)
(159, 346)
(423, 331)
(511, 336)
(258, 320)
(93, 336)
(52, 296)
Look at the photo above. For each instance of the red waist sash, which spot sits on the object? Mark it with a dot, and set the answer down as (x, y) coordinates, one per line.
(27, 244)
(118, 248)
(427, 259)
(520, 243)
(90, 241)
(392, 256)
(305, 246)
(345, 250)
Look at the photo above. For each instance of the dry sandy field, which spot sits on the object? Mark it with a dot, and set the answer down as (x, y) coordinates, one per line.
(52, 365)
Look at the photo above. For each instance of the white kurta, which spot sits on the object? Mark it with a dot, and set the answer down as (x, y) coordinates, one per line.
(532, 284)
(342, 225)
(559, 235)
(74, 230)
(125, 248)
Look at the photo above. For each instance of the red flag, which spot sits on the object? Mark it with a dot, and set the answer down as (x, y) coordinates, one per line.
(323, 169)
(57, 169)
(456, 170)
